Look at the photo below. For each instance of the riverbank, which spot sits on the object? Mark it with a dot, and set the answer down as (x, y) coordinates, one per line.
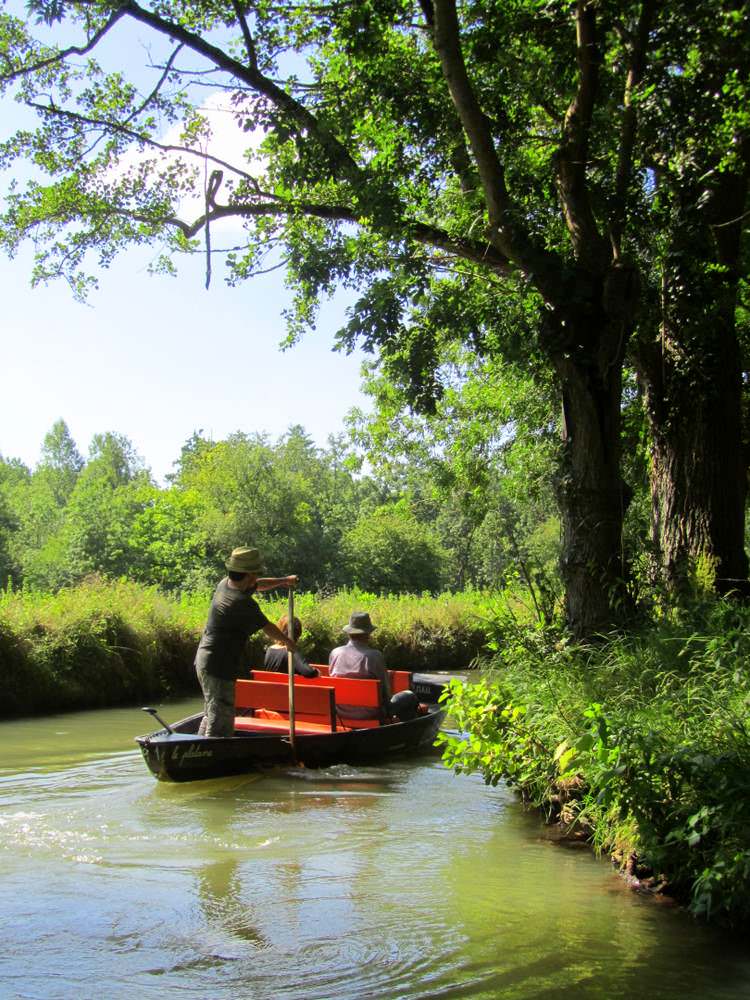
(638, 744)
(106, 643)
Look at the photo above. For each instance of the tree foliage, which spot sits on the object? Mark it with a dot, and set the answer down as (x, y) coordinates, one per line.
(481, 467)
(304, 507)
(389, 544)
(526, 179)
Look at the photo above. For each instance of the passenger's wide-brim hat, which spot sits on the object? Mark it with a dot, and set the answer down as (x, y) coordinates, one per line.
(244, 560)
(359, 624)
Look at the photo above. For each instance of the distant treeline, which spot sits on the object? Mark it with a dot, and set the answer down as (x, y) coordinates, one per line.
(310, 510)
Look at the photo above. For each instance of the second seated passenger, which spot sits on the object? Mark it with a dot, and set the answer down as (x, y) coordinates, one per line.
(277, 655)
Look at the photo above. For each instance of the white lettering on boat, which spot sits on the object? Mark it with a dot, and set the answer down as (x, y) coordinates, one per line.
(190, 752)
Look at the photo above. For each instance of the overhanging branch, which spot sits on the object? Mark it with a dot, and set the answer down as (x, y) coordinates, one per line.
(624, 174)
(572, 160)
(247, 37)
(304, 119)
(63, 54)
(162, 147)
(420, 232)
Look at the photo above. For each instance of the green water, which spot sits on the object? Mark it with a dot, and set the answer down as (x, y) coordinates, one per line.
(396, 881)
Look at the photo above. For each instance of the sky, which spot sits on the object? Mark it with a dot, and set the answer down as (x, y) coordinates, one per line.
(157, 358)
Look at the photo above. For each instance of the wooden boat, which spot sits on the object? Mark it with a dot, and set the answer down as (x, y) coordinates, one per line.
(324, 734)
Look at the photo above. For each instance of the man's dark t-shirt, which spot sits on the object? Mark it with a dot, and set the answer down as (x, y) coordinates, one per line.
(232, 618)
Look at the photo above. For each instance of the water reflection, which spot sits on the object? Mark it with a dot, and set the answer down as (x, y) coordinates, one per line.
(397, 881)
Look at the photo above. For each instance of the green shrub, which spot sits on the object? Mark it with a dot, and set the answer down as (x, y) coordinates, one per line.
(640, 742)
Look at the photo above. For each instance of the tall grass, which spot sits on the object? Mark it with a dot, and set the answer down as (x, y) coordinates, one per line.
(107, 643)
(414, 632)
(101, 643)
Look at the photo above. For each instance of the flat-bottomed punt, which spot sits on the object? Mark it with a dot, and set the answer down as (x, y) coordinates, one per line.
(324, 733)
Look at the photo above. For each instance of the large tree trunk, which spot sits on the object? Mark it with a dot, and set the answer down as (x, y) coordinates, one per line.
(592, 506)
(691, 375)
(698, 487)
(698, 467)
(591, 492)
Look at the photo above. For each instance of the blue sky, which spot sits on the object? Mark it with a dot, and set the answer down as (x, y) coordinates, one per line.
(156, 358)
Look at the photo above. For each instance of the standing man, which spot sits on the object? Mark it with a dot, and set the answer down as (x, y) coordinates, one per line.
(232, 618)
(358, 659)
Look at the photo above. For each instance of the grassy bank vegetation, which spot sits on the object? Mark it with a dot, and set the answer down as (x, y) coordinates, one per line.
(639, 743)
(106, 643)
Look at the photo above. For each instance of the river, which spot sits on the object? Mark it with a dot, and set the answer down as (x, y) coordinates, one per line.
(395, 881)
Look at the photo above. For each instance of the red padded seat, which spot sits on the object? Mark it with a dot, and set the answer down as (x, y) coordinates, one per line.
(251, 724)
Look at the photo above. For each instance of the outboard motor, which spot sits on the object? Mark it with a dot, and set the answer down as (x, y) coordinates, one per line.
(404, 705)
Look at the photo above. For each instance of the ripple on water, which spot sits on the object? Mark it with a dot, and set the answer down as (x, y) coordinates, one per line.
(399, 881)
(315, 968)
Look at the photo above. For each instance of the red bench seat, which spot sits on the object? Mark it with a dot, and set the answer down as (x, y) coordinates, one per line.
(315, 707)
(364, 692)
(252, 724)
(400, 679)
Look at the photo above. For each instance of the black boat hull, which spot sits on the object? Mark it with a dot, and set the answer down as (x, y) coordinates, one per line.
(183, 755)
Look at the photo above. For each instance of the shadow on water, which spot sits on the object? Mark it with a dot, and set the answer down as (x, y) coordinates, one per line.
(401, 881)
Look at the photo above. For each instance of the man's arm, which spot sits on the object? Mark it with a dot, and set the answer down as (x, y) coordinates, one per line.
(377, 664)
(272, 582)
(302, 668)
(275, 633)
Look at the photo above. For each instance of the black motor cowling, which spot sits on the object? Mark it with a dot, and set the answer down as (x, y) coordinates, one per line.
(404, 705)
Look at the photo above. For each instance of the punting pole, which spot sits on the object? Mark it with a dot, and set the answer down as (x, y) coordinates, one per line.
(290, 668)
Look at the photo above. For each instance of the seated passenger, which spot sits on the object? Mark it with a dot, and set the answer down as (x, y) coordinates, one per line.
(277, 655)
(358, 659)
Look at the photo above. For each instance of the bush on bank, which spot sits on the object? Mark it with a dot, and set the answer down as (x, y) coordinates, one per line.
(414, 632)
(98, 644)
(116, 642)
(640, 743)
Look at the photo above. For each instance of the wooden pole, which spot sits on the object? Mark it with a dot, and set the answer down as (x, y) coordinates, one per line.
(290, 668)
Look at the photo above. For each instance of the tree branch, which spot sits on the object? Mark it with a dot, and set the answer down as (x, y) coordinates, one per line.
(506, 234)
(480, 253)
(144, 103)
(473, 119)
(305, 121)
(572, 160)
(248, 38)
(63, 54)
(623, 177)
(155, 90)
(103, 123)
(473, 250)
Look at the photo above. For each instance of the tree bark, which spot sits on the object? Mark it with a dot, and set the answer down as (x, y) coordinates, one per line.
(693, 397)
(691, 375)
(698, 477)
(592, 505)
(586, 344)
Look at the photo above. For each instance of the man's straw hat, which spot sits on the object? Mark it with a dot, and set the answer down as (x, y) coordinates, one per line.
(244, 560)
